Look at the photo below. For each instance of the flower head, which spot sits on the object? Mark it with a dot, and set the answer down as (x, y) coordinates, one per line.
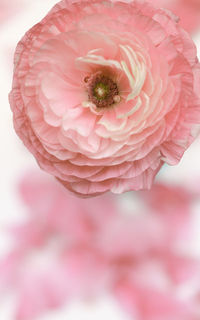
(105, 92)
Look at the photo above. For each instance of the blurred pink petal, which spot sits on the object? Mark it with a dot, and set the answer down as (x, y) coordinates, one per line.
(70, 248)
(149, 303)
(8, 9)
(189, 13)
(187, 10)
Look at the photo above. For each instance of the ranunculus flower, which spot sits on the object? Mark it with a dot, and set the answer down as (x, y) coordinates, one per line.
(105, 92)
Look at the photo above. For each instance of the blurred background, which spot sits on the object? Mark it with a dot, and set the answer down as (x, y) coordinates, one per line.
(134, 256)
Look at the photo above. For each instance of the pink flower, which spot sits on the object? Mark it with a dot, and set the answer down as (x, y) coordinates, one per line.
(104, 93)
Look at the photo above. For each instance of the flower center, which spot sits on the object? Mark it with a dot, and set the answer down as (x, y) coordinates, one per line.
(102, 90)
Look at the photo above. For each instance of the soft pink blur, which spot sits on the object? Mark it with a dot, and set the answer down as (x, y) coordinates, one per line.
(8, 9)
(70, 249)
